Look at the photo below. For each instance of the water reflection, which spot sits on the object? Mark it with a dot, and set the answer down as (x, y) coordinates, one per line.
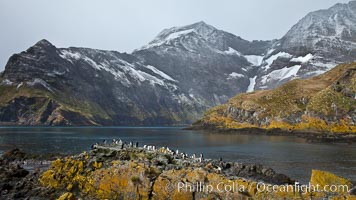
(289, 155)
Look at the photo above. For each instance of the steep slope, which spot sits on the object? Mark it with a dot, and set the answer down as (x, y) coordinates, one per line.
(316, 44)
(203, 59)
(325, 103)
(90, 87)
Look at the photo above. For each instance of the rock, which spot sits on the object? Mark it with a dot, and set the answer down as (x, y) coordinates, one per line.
(150, 175)
(13, 155)
(269, 172)
(325, 178)
(281, 179)
(353, 191)
(19, 172)
(6, 186)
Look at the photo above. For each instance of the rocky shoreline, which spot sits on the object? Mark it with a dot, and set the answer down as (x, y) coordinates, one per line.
(119, 170)
(310, 136)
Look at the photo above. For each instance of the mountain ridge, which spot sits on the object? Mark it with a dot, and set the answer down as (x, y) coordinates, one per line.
(182, 72)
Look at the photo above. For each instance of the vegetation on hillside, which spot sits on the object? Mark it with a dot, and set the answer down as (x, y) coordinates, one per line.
(325, 103)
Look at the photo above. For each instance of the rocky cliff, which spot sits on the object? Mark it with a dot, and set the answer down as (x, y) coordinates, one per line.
(325, 103)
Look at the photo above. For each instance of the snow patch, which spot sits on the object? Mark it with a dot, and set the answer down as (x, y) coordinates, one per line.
(271, 59)
(251, 87)
(55, 73)
(121, 69)
(19, 85)
(181, 98)
(160, 73)
(143, 76)
(328, 66)
(270, 52)
(254, 59)
(167, 39)
(65, 54)
(281, 74)
(178, 34)
(303, 59)
(68, 55)
(235, 75)
(38, 81)
(6, 82)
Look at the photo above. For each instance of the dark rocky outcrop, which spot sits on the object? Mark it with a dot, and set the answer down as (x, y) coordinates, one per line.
(111, 172)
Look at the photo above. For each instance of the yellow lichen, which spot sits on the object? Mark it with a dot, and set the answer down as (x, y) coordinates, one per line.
(67, 196)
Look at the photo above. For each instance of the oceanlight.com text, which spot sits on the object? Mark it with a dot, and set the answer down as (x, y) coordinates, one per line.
(260, 187)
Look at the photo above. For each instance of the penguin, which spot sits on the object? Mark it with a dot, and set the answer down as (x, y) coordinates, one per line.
(201, 158)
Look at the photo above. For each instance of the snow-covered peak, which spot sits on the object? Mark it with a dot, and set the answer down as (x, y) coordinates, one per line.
(199, 29)
(43, 45)
(335, 23)
(203, 29)
(43, 42)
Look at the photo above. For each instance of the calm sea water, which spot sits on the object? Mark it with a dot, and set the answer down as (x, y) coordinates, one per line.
(288, 155)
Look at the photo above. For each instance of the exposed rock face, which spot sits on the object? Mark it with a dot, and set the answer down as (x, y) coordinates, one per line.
(208, 63)
(109, 172)
(325, 103)
(16, 180)
(137, 173)
(317, 43)
(84, 86)
(172, 80)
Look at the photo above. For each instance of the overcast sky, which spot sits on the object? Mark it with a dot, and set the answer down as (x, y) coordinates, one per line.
(126, 25)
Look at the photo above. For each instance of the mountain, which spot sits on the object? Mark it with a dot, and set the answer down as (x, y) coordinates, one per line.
(203, 60)
(78, 86)
(325, 103)
(316, 44)
(171, 80)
